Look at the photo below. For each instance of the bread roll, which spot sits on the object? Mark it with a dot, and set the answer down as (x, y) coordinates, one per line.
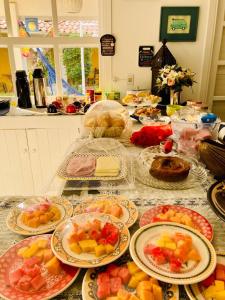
(103, 120)
(90, 122)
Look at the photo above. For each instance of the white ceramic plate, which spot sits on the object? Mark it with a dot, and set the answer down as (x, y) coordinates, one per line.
(89, 285)
(14, 220)
(194, 291)
(129, 210)
(191, 273)
(61, 249)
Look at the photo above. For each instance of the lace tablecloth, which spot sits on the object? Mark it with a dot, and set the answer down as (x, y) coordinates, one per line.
(144, 197)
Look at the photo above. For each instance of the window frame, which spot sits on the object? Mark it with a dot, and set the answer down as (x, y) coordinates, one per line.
(58, 42)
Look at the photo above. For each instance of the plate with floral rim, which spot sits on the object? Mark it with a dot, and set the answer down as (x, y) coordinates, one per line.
(117, 205)
(61, 243)
(11, 261)
(90, 286)
(42, 205)
(198, 222)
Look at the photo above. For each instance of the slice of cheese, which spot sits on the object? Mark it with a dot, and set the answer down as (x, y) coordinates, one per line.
(107, 166)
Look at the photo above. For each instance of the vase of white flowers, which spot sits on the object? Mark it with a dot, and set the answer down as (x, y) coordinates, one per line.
(171, 80)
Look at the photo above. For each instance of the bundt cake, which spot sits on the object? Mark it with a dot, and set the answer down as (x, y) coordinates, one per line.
(169, 168)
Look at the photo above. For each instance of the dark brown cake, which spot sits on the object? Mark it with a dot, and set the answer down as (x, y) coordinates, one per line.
(169, 168)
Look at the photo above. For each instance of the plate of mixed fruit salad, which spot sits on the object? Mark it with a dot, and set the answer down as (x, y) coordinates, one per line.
(116, 205)
(213, 287)
(173, 253)
(178, 214)
(124, 280)
(38, 215)
(90, 240)
(29, 270)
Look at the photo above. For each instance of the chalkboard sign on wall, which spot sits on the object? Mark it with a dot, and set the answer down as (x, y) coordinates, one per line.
(107, 45)
(146, 54)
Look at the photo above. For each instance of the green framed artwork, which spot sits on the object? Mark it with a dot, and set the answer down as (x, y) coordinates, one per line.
(179, 24)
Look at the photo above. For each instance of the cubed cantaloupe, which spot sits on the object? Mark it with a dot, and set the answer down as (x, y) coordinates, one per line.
(100, 250)
(40, 254)
(112, 298)
(157, 292)
(154, 281)
(146, 295)
(75, 248)
(53, 266)
(133, 297)
(132, 267)
(42, 243)
(220, 295)
(47, 255)
(210, 291)
(123, 294)
(219, 284)
(88, 245)
(140, 276)
(143, 285)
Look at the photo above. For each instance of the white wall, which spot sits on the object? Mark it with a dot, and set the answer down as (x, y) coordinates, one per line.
(136, 23)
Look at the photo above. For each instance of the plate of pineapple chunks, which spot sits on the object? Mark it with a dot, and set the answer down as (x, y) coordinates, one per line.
(30, 270)
(38, 215)
(90, 240)
(213, 287)
(123, 280)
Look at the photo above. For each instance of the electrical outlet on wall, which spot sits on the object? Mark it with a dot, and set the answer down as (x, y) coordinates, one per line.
(130, 80)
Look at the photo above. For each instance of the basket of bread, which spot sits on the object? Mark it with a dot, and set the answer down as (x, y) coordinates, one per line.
(106, 118)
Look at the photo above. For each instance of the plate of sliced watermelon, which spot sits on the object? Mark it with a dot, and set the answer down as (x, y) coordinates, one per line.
(213, 287)
(90, 240)
(29, 270)
(173, 253)
(38, 215)
(124, 280)
(116, 205)
(178, 214)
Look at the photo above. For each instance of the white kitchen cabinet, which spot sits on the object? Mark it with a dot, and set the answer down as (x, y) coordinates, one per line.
(47, 150)
(15, 170)
(31, 149)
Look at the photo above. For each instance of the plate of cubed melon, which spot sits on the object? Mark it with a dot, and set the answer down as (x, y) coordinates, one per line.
(118, 206)
(90, 240)
(213, 287)
(30, 270)
(178, 214)
(124, 280)
(173, 253)
(38, 215)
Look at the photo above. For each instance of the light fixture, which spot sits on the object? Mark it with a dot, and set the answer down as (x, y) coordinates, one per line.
(72, 6)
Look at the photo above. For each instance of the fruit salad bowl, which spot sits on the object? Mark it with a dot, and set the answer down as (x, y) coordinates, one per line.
(89, 240)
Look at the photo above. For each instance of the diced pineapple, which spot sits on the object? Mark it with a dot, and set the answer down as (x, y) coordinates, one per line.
(133, 297)
(42, 243)
(40, 253)
(132, 267)
(140, 276)
(31, 251)
(210, 291)
(53, 266)
(219, 295)
(21, 251)
(109, 248)
(160, 243)
(75, 248)
(166, 238)
(100, 250)
(88, 245)
(170, 245)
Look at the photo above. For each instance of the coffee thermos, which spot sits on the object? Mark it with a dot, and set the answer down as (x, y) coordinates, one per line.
(23, 90)
(39, 88)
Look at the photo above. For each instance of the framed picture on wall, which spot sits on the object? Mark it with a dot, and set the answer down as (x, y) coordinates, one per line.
(179, 24)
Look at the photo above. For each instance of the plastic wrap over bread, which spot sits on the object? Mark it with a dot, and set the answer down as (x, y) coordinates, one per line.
(107, 118)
